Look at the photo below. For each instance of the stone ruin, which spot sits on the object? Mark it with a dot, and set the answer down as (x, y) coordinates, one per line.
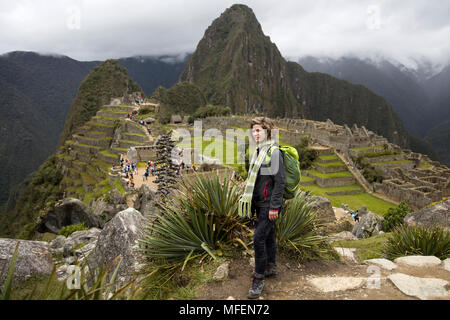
(404, 179)
(166, 177)
(418, 187)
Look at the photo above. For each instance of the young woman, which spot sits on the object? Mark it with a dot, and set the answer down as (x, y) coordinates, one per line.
(263, 195)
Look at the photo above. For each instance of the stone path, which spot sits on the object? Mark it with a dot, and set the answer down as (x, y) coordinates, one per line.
(375, 279)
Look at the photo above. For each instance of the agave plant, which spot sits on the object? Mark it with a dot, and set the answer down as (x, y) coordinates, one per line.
(202, 218)
(297, 231)
(416, 240)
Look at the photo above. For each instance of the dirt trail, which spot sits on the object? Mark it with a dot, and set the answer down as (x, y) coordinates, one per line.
(139, 181)
(292, 281)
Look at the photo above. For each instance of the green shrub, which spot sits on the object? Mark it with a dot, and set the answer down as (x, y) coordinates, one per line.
(412, 240)
(306, 156)
(298, 233)
(144, 110)
(394, 216)
(372, 174)
(210, 111)
(68, 230)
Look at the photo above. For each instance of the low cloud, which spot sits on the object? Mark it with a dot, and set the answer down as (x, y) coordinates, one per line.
(408, 31)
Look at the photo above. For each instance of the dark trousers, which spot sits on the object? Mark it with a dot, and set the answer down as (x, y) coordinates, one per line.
(264, 241)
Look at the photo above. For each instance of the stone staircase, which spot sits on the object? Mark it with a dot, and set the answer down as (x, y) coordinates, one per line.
(95, 147)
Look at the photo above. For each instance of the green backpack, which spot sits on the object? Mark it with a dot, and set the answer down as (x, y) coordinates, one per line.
(291, 170)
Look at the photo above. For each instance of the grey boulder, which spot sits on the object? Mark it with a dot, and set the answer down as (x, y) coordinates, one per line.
(34, 259)
(434, 216)
(67, 212)
(146, 202)
(324, 209)
(120, 237)
(369, 225)
(107, 208)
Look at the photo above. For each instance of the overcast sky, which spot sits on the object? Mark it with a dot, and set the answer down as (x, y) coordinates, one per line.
(404, 30)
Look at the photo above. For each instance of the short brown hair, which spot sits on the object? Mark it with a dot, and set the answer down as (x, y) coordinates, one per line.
(265, 123)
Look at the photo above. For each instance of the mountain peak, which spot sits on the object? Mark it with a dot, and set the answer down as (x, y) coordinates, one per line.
(234, 20)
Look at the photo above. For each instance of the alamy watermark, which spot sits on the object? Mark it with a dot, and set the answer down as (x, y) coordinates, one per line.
(73, 21)
(212, 145)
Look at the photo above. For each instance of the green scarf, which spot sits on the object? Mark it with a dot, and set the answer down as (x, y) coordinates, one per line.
(245, 201)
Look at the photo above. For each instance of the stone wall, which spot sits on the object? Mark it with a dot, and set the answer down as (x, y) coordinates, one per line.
(415, 198)
(141, 153)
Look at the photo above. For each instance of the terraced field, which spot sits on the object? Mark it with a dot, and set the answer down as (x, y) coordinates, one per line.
(330, 178)
(93, 149)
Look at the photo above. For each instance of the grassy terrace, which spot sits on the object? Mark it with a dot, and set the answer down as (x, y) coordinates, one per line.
(330, 164)
(104, 166)
(89, 146)
(92, 139)
(329, 157)
(95, 172)
(366, 148)
(123, 150)
(108, 153)
(130, 141)
(305, 178)
(393, 162)
(98, 124)
(114, 111)
(354, 201)
(340, 174)
(134, 134)
(106, 118)
(220, 148)
(317, 189)
(425, 165)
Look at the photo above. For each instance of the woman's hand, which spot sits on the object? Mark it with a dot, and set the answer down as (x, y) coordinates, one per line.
(273, 215)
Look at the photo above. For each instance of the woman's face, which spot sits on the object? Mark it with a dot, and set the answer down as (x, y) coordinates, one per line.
(258, 133)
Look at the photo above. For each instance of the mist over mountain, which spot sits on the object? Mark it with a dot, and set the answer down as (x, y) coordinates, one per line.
(421, 96)
(235, 64)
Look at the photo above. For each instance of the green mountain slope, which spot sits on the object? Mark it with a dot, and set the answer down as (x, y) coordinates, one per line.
(35, 93)
(235, 64)
(439, 137)
(106, 81)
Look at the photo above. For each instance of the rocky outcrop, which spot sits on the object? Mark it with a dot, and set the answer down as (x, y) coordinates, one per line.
(67, 212)
(106, 209)
(146, 202)
(77, 246)
(324, 209)
(343, 235)
(434, 216)
(120, 238)
(34, 259)
(369, 225)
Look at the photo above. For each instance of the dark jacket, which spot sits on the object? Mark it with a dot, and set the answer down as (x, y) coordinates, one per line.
(269, 189)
